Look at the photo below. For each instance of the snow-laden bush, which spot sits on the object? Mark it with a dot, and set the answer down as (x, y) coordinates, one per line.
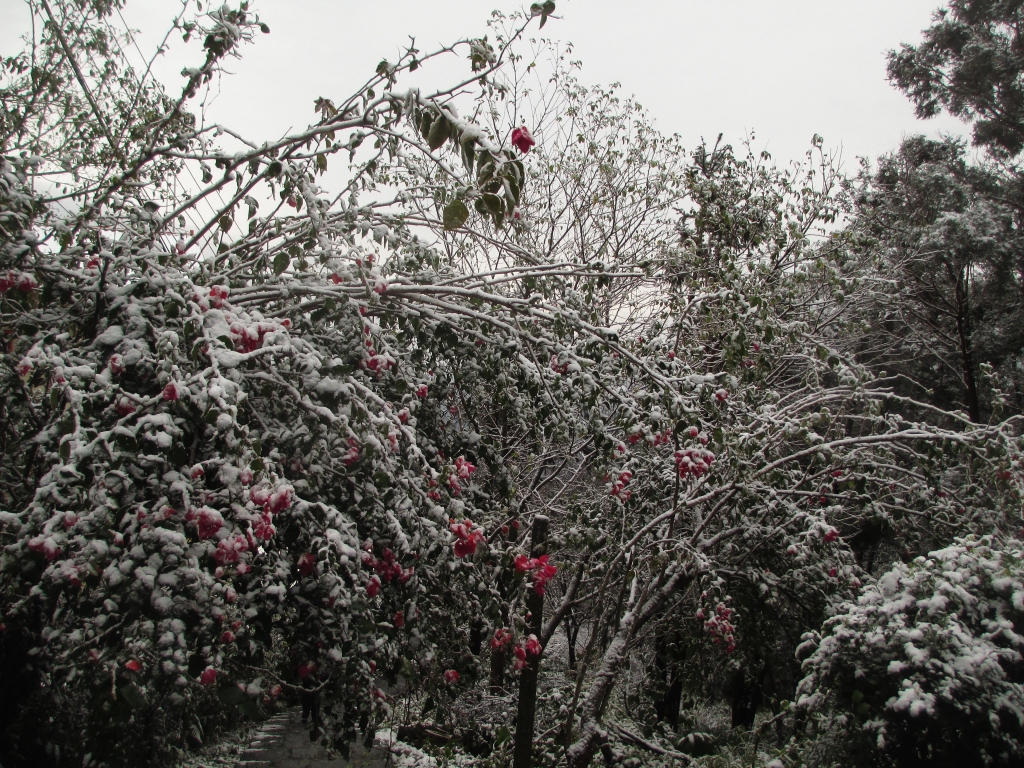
(926, 668)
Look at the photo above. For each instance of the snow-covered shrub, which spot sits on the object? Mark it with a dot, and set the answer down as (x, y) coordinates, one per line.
(926, 668)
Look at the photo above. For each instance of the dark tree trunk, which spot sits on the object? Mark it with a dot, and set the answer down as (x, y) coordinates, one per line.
(746, 698)
(522, 753)
(666, 661)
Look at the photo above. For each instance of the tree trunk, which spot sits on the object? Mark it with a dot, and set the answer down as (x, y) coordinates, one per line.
(580, 752)
(522, 753)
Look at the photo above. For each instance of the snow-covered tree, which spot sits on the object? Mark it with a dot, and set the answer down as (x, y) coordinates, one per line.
(925, 667)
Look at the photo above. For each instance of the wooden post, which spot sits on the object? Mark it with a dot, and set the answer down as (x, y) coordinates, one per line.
(522, 755)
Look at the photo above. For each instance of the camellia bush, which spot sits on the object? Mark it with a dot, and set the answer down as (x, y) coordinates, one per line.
(925, 667)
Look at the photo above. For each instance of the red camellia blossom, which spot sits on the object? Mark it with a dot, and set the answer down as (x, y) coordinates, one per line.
(399, 620)
(227, 637)
(831, 535)
(421, 390)
(125, 407)
(133, 665)
(502, 637)
(721, 395)
(307, 563)
(466, 538)
(210, 521)
(116, 365)
(542, 570)
(520, 655)
(209, 676)
(373, 586)
(533, 646)
(451, 676)
(245, 476)
(170, 391)
(522, 139)
(196, 472)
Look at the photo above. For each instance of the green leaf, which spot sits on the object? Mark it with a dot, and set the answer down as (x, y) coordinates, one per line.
(455, 215)
(321, 163)
(438, 134)
(225, 222)
(281, 263)
(134, 695)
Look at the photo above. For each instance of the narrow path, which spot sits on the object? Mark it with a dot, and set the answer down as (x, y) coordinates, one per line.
(283, 742)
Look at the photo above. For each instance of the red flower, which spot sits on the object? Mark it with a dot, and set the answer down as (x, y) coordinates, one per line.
(502, 637)
(24, 368)
(116, 365)
(373, 586)
(125, 406)
(832, 572)
(210, 522)
(522, 140)
(209, 676)
(307, 563)
(451, 677)
(533, 647)
(305, 670)
(831, 535)
(197, 471)
(421, 390)
(228, 637)
(133, 665)
(170, 391)
(721, 395)
(245, 476)
(399, 620)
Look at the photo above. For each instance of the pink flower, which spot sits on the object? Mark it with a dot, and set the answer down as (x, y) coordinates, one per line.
(209, 676)
(170, 391)
(464, 468)
(245, 476)
(133, 665)
(522, 140)
(403, 415)
(451, 677)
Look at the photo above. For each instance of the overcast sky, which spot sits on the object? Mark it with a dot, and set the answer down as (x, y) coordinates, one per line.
(786, 69)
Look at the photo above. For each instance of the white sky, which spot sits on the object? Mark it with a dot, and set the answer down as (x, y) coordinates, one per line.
(786, 69)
